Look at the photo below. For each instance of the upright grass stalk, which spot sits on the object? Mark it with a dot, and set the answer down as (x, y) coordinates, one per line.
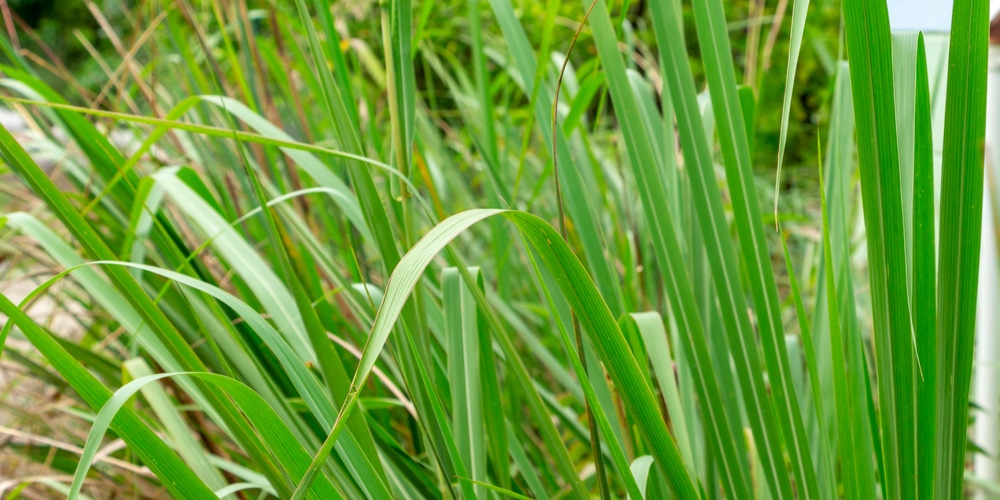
(924, 292)
(713, 36)
(958, 251)
(870, 52)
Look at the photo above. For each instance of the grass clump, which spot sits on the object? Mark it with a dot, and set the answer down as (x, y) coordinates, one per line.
(324, 261)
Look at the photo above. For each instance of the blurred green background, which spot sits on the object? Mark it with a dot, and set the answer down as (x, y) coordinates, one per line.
(58, 28)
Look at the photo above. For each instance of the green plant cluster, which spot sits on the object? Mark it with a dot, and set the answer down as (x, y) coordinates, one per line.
(415, 250)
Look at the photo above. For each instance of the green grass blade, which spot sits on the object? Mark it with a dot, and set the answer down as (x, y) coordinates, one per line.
(334, 48)
(181, 434)
(641, 469)
(520, 458)
(904, 80)
(596, 405)
(799, 10)
(177, 477)
(280, 439)
(854, 461)
(95, 145)
(596, 320)
(869, 45)
(245, 262)
(498, 444)
(228, 133)
(748, 103)
(654, 336)
(100, 426)
(497, 489)
(316, 169)
(713, 38)
(398, 86)
(924, 293)
(487, 119)
(812, 368)
(462, 331)
(961, 217)
(839, 185)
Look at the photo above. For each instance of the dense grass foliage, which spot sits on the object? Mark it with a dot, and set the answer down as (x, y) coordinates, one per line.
(358, 255)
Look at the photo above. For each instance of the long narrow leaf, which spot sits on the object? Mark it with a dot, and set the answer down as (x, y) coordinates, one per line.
(869, 47)
(961, 217)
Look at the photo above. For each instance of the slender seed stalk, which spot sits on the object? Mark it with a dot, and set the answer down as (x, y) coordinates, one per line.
(595, 437)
